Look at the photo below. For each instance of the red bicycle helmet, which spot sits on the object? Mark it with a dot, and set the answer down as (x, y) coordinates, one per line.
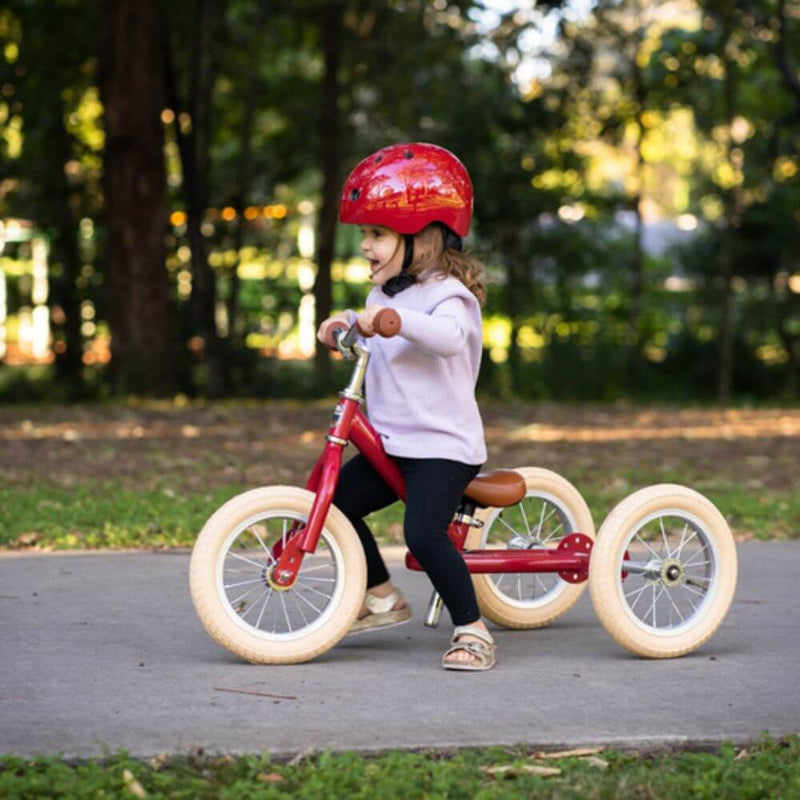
(406, 187)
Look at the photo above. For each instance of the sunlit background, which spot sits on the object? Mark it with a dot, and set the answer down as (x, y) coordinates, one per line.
(647, 153)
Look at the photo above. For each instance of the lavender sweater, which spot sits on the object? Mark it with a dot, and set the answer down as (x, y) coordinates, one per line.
(420, 384)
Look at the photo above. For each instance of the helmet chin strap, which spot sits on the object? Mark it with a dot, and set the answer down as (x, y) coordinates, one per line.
(404, 279)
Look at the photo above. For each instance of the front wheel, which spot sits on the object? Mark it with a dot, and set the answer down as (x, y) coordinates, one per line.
(551, 509)
(663, 571)
(239, 606)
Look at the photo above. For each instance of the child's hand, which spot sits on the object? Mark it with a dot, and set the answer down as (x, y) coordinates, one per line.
(365, 320)
(325, 328)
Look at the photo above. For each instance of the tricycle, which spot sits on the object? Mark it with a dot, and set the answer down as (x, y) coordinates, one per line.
(278, 573)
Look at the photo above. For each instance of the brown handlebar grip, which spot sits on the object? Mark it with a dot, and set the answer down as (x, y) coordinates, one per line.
(328, 339)
(387, 323)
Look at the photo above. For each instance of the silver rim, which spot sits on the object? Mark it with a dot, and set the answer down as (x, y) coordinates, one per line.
(253, 604)
(539, 520)
(671, 572)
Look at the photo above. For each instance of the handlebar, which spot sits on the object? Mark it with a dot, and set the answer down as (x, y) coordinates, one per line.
(386, 323)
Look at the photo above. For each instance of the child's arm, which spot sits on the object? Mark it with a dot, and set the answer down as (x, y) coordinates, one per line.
(443, 332)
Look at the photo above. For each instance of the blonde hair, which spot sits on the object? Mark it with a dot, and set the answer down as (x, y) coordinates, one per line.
(431, 254)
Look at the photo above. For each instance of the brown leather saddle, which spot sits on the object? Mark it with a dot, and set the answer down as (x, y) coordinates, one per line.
(498, 487)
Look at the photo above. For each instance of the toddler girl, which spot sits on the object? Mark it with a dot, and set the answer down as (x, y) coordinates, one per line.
(414, 205)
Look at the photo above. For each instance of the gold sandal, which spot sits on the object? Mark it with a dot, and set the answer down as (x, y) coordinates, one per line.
(485, 651)
(382, 613)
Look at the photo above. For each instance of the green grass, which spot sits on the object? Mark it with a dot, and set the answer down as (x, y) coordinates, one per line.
(103, 515)
(771, 769)
(760, 513)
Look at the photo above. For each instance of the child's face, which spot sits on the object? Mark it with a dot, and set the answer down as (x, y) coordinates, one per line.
(383, 248)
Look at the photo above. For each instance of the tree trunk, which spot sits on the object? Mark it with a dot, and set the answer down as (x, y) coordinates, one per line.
(243, 184)
(56, 201)
(725, 362)
(135, 192)
(637, 261)
(331, 28)
(64, 294)
(787, 70)
(194, 151)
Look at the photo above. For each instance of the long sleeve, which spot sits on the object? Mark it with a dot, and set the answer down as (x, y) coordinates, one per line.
(443, 332)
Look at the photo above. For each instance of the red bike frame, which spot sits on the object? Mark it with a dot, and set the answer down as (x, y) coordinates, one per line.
(570, 559)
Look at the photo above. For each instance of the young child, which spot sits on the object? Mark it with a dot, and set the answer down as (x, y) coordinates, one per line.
(414, 203)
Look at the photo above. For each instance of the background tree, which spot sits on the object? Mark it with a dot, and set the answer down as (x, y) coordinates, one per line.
(139, 310)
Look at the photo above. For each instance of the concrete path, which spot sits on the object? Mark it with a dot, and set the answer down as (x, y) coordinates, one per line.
(99, 652)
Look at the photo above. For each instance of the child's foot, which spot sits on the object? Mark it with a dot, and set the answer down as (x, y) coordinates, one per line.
(473, 649)
(384, 607)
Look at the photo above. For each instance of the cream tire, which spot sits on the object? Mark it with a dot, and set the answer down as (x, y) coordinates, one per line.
(666, 527)
(340, 554)
(547, 494)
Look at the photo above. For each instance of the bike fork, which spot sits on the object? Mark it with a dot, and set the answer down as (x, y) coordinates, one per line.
(434, 610)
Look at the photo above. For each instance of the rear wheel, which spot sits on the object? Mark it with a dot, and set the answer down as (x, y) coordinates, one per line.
(230, 578)
(663, 571)
(551, 509)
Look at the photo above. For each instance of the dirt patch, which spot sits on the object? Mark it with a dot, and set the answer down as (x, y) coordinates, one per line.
(194, 448)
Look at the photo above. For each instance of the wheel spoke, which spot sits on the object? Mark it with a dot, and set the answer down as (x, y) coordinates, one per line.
(680, 544)
(248, 560)
(321, 594)
(640, 595)
(285, 612)
(694, 591)
(648, 546)
(308, 602)
(525, 520)
(541, 522)
(636, 592)
(680, 549)
(550, 514)
(311, 569)
(302, 615)
(242, 596)
(555, 531)
(264, 607)
(254, 531)
(244, 615)
(507, 525)
(698, 554)
(677, 610)
(314, 578)
(664, 537)
(275, 619)
(241, 583)
(656, 595)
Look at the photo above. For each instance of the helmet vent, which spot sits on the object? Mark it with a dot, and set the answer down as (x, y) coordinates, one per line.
(355, 194)
(378, 159)
(408, 154)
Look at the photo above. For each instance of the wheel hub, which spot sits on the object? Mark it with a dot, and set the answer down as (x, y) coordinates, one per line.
(671, 572)
(518, 542)
(268, 576)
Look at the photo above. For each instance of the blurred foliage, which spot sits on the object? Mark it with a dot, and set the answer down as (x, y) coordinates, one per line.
(682, 115)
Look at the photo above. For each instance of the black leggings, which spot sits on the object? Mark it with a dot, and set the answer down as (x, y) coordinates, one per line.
(434, 487)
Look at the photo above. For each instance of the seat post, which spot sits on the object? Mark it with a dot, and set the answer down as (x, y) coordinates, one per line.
(434, 610)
